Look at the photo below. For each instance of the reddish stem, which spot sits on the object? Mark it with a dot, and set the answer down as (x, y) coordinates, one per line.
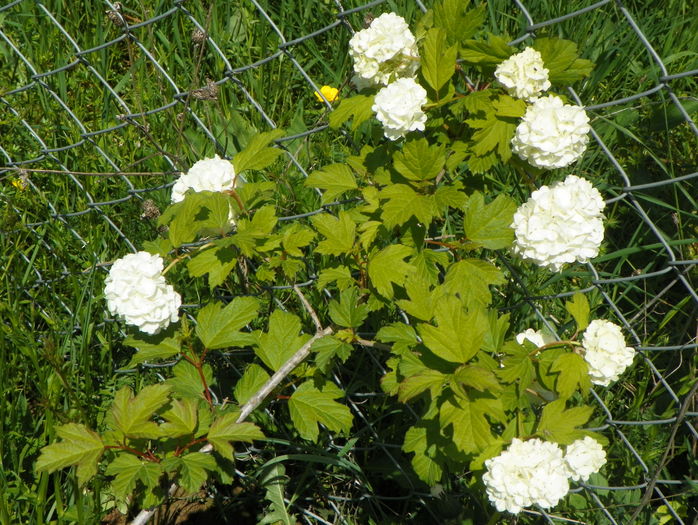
(148, 456)
(193, 442)
(199, 365)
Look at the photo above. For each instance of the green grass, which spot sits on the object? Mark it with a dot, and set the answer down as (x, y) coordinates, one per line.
(58, 354)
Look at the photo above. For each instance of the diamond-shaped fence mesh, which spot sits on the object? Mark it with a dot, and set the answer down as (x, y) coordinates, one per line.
(102, 105)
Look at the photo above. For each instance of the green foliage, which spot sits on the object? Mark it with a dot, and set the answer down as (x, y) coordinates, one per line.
(219, 327)
(438, 60)
(562, 61)
(409, 256)
(310, 406)
(258, 155)
(335, 179)
(79, 446)
(357, 108)
(578, 307)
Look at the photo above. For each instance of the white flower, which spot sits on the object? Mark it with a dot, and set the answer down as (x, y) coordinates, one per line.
(399, 108)
(136, 290)
(384, 51)
(537, 337)
(523, 74)
(551, 134)
(605, 352)
(584, 457)
(560, 224)
(528, 473)
(214, 174)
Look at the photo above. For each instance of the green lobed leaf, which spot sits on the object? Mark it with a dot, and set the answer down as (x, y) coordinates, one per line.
(438, 60)
(151, 348)
(471, 279)
(340, 275)
(562, 61)
(468, 424)
(357, 107)
(489, 225)
(225, 429)
(192, 469)
(327, 348)
(387, 267)
(310, 406)
(573, 374)
(335, 179)
(403, 203)
(419, 161)
(492, 135)
(428, 379)
(478, 378)
(428, 470)
(181, 418)
(219, 327)
(506, 106)
(249, 384)
(517, 366)
(128, 470)
(339, 233)
(459, 335)
(578, 307)
(79, 446)
(187, 381)
(486, 53)
(294, 237)
(459, 24)
(559, 424)
(133, 416)
(258, 155)
(252, 235)
(347, 312)
(279, 344)
(199, 213)
(217, 261)
(422, 299)
(401, 335)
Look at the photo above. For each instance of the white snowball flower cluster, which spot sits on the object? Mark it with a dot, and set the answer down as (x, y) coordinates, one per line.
(384, 51)
(214, 174)
(560, 224)
(528, 473)
(399, 108)
(605, 352)
(537, 337)
(583, 458)
(136, 290)
(523, 74)
(551, 134)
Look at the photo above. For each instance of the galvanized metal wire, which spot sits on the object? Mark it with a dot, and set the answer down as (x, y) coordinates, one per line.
(43, 159)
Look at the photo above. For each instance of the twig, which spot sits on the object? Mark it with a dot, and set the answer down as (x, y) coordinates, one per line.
(257, 399)
(372, 344)
(308, 307)
(280, 374)
(647, 496)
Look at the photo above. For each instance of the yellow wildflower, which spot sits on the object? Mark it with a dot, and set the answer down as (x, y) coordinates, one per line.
(19, 183)
(329, 92)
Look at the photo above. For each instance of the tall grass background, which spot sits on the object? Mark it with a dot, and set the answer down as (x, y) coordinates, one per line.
(114, 109)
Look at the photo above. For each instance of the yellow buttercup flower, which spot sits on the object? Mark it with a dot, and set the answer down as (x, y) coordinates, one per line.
(19, 183)
(329, 92)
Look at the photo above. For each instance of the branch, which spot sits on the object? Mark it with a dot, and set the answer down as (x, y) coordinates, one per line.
(308, 307)
(257, 399)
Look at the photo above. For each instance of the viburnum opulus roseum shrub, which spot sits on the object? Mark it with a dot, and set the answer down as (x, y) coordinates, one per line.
(407, 255)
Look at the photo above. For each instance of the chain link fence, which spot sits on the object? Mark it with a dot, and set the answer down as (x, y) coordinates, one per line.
(103, 104)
